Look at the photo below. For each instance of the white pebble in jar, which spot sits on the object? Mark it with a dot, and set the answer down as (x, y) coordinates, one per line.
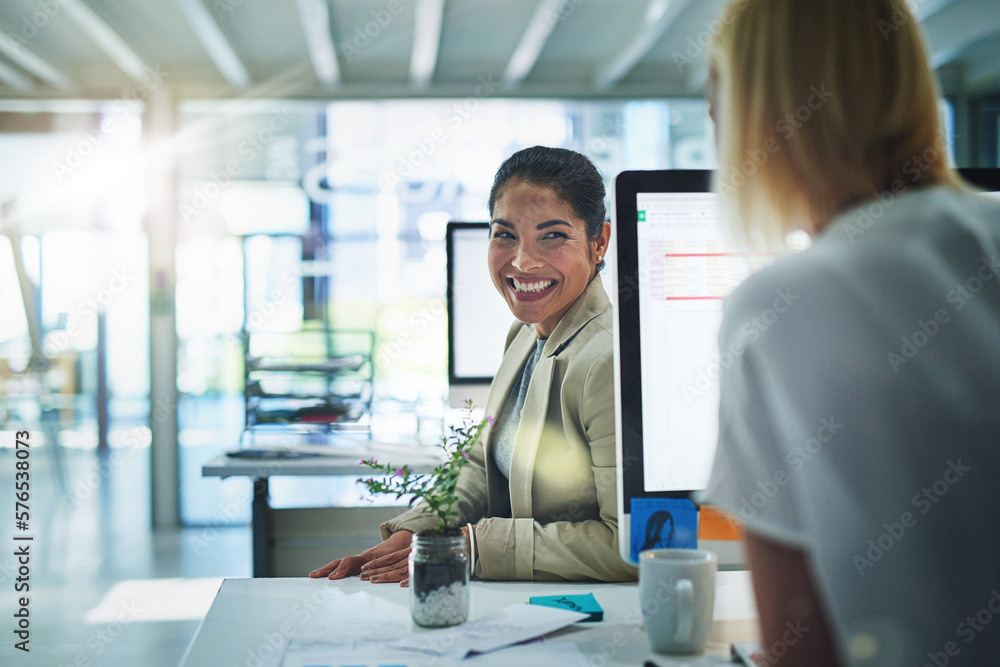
(448, 605)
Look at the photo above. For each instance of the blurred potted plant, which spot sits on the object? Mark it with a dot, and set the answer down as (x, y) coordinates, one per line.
(439, 558)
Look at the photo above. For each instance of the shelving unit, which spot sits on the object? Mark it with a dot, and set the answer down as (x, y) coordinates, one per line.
(301, 372)
(310, 380)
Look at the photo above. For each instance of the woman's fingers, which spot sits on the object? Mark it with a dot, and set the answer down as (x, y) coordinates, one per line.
(384, 561)
(393, 550)
(374, 575)
(347, 567)
(326, 569)
(393, 573)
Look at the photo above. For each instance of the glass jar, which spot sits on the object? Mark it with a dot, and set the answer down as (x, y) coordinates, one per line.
(439, 580)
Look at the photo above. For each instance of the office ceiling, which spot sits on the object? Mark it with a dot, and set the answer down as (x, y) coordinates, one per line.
(402, 48)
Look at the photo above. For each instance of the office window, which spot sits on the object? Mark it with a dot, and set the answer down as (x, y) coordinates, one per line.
(79, 205)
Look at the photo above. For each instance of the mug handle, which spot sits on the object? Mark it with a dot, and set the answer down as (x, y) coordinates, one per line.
(685, 617)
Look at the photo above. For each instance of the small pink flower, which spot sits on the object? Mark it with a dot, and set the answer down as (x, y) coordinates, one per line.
(399, 472)
(491, 420)
(465, 454)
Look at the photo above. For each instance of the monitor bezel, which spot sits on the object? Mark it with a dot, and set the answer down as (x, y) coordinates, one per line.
(986, 179)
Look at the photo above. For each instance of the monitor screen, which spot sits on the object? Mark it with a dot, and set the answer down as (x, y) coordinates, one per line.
(478, 317)
(686, 266)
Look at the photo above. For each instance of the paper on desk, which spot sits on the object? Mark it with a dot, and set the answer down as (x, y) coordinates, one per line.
(365, 649)
(504, 627)
(534, 654)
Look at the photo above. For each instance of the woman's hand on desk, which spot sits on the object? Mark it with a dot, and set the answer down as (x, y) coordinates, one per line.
(384, 563)
(391, 567)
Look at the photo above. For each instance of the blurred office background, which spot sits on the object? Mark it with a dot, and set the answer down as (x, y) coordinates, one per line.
(178, 174)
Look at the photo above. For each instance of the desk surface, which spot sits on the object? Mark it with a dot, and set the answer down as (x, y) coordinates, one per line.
(337, 455)
(253, 622)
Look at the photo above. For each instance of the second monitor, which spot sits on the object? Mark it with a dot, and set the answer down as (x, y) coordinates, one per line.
(478, 317)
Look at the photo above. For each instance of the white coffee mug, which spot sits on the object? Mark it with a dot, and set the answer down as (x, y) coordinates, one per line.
(677, 598)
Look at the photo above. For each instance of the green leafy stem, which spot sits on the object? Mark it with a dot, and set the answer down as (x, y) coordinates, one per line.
(438, 489)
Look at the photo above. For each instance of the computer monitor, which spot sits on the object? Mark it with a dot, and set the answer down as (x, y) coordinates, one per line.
(676, 262)
(983, 178)
(675, 265)
(478, 317)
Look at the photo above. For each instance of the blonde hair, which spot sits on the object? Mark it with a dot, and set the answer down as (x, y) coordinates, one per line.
(824, 104)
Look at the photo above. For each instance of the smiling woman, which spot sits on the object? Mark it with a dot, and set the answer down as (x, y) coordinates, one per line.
(539, 490)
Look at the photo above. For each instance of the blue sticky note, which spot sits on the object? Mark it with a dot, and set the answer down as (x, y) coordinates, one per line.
(586, 604)
(663, 523)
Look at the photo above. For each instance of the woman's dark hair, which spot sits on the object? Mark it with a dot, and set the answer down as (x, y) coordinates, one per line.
(655, 526)
(572, 176)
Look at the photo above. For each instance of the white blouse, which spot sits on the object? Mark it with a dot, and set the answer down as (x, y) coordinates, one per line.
(863, 425)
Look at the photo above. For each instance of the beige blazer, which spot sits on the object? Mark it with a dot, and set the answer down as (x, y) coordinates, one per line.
(557, 516)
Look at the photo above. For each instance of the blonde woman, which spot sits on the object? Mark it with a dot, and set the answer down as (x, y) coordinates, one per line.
(859, 434)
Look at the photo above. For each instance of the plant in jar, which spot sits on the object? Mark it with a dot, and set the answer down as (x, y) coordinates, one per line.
(439, 558)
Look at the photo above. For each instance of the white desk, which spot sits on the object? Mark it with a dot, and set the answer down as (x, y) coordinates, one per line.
(253, 621)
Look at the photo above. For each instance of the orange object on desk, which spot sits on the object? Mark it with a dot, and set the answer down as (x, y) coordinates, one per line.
(714, 524)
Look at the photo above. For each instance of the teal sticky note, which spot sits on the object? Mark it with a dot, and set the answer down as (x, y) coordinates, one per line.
(586, 604)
